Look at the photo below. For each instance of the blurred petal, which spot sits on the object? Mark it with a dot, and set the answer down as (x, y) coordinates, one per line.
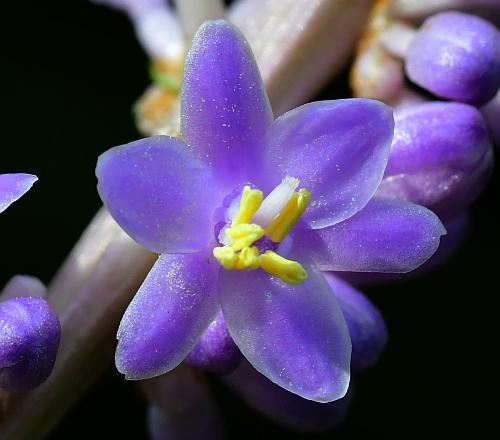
(441, 157)
(294, 335)
(366, 325)
(225, 110)
(216, 350)
(385, 236)
(23, 285)
(456, 56)
(283, 407)
(13, 186)
(29, 339)
(167, 316)
(159, 194)
(337, 149)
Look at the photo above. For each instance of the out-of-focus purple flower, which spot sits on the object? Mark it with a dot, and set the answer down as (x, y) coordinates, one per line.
(215, 351)
(196, 202)
(456, 56)
(283, 407)
(13, 186)
(441, 157)
(29, 335)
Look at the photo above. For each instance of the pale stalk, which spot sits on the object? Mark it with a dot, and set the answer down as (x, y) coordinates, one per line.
(104, 270)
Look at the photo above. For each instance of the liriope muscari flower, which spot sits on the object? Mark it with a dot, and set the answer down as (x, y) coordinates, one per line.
(224, 246)
(456, 56)
(29, 335)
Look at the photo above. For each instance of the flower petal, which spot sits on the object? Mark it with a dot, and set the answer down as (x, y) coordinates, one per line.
(225, 109)
(366, 325)
(13, 186)
(456, 231)
(171, 310)
(159, 194)
(337, 149)
(294, 335)
(385, 236)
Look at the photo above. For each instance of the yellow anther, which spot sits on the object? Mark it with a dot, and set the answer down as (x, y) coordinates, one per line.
(288, 271)
(278, 229)
(226, 257)
(248, 258)
(244, 235)
(251, 200)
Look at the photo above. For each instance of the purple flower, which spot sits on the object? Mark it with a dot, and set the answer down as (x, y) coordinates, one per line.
(13, 186)
(456, 56)
(441, 157)
(224, 246)
(29, 335)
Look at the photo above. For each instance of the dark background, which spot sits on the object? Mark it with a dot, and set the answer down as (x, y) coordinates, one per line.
(70, 72)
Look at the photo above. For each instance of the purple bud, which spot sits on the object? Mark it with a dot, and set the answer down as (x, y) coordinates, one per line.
(441, 157)
(366, 325)
(29, 339)
(215, 351)
(456, 56)
(283, 407)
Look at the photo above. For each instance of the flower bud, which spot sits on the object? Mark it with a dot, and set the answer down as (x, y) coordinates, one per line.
(441, 157)
(29, 339)
(456, 56)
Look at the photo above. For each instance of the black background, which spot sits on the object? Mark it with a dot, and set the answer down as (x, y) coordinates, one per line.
(70, 72)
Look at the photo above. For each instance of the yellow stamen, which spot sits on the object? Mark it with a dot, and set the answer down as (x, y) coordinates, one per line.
(289, 271)
(244, 235)
(226, 256)
(248, 258)
(278, 229)
(251, 200)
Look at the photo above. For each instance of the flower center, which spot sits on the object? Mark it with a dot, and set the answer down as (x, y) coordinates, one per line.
(256, 217)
